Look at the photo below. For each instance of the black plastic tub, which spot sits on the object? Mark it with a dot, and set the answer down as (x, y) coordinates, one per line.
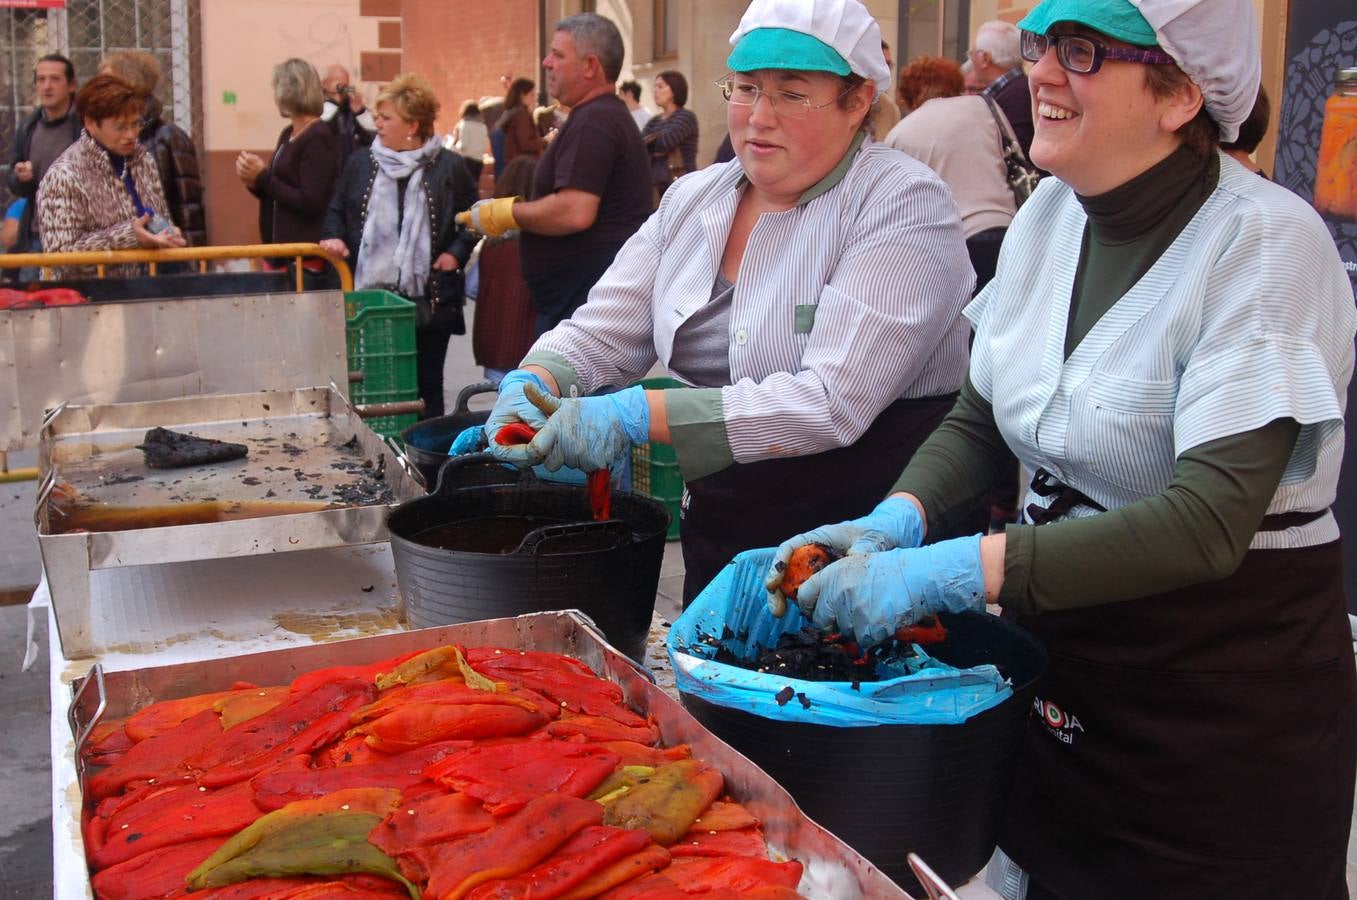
(427, 443)
(609, 570)
(935, 790)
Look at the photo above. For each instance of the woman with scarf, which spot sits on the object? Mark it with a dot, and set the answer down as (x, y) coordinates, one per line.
(394, 210)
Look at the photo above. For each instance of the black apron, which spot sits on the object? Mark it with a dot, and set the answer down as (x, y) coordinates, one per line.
(1197, 743)
(750, 505)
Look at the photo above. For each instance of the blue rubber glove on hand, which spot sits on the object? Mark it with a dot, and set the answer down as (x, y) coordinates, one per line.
(470, 440)
(870, 595)
(588, 433)
(894, 523)
(512, 406)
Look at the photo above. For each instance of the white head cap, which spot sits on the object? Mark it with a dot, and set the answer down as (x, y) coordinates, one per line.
(1215, 42)
(843, 37)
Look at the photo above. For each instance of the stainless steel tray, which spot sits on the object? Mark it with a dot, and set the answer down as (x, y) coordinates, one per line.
(307, 452)
(832, 868)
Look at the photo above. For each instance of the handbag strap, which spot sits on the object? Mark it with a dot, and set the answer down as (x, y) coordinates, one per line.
(1008, 139)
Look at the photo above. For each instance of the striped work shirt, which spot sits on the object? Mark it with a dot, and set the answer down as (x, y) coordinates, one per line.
(1246, 318)
(845, 303)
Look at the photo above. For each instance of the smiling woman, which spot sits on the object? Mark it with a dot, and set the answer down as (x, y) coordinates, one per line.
(806, 294)
(1166, 344)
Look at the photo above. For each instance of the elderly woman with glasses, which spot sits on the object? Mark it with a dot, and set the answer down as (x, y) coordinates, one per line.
(806, 294)
(1166, 345)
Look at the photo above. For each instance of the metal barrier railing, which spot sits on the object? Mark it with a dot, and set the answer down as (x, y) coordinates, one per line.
(101, 259)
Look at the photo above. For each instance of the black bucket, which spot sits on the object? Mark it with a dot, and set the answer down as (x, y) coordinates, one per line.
(609, 570)
(889, 790)
(427, 443)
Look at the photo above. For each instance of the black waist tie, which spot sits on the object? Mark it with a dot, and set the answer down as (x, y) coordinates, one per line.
(1196, 743)
(750, 505)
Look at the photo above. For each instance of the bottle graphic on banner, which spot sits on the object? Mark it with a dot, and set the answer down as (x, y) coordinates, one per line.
(1336, 173)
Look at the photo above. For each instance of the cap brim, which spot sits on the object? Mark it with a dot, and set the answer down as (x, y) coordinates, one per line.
(1115, 18)
(782, 48)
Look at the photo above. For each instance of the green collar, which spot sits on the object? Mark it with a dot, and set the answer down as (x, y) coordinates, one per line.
(829, 181)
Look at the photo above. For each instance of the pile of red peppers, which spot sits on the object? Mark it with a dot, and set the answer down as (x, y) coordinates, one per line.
(487, 774)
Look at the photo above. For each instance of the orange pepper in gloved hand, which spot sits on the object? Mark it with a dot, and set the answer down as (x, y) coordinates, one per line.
(598, 486)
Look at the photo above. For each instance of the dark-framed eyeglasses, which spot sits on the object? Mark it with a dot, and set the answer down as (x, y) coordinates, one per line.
(785, 103)
(1085, 55)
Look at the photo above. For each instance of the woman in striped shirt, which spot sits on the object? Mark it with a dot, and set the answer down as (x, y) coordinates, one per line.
(1167, 345)
(808, 294)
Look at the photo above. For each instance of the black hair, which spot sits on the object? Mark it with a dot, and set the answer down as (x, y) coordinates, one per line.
(631, 87)
(56, 58)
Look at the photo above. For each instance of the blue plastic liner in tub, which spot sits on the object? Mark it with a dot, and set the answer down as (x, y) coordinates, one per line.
(887, 784)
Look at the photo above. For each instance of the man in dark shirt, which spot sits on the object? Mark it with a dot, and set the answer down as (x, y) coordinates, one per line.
(345, 113)
(43, 136)
(591, 190)
(997, 63)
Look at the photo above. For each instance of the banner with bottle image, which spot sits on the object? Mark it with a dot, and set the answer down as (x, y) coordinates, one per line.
(1317, 138)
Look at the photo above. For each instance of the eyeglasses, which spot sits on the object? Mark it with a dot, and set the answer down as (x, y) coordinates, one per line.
(785, 103)
(1085, 55)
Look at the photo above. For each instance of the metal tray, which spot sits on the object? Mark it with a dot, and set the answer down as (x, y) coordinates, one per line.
(307, 447)
(832, 868)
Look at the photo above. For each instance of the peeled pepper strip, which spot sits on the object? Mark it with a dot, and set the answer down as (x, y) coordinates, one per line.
(724, 815)
(602, 728)
(566, 681)
(428, 821)
(744, 842)
(273, 790)
(732, 876)
(153, 875)
(415, 724)
(453, 692)
(106, 744)
(324, 836)
(333, 844)
(369, 672)
(440, 662)
(159, 756)
(634, 754)
(306, 887)
(307, 721)
(668, 802)
(164, 715)
(514, 845)
(638, 865)
(506, 777)
(588, 852)
(187, 813)
(242, 706)
(622, 779)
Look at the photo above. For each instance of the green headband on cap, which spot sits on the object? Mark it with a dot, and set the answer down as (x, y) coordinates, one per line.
(783, 48)
(1114, 18)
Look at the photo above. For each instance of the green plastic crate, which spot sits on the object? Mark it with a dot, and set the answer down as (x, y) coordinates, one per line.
(654, 467)
(381, 345)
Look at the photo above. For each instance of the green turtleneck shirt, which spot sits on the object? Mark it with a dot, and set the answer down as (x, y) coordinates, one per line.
(1198, 528)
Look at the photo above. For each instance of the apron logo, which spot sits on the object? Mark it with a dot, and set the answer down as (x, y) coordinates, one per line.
(1060, 724)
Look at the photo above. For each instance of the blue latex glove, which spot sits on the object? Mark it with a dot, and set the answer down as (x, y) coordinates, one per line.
(894, 523)
(870, 595)
(512, 406)
(471, 440)
(587, 433)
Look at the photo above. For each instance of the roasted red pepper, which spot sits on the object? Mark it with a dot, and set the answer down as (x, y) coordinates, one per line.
(744, 842)
(414, 724)
(513, 845)
(429, 821)
(567, 682)
(159, 873)
(926, 631)
(668, 802)
(598, 485)
(273, 790)
(453, 692)
(306, 887)
(587, 853)
(651, 859)
(599, 728)
(307, 721)
(507, 777)
(152, 720)
(739, 874)
(369, 672)
(634, 754)
(241, 706)
(185, 813)
(724, 815)
(160, 756)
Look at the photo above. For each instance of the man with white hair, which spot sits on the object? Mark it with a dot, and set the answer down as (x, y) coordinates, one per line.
(997, 64)
(345, 112)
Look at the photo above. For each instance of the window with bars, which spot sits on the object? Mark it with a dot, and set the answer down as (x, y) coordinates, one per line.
(84, 31)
